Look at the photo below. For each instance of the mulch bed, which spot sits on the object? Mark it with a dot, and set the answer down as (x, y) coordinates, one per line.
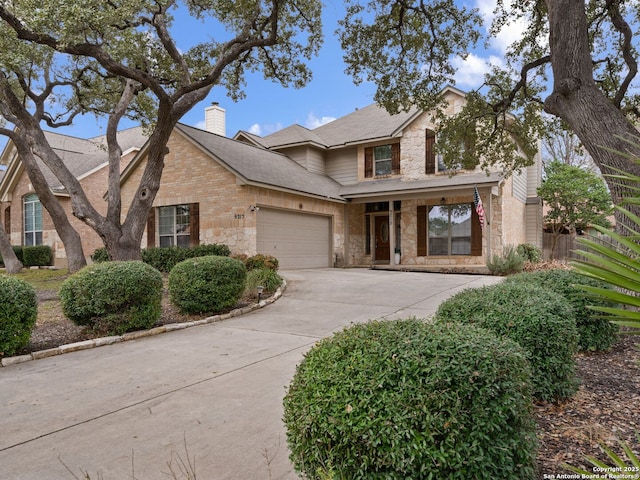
(605, 409)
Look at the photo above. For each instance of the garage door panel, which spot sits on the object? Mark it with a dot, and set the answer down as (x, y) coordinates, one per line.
(297, 240)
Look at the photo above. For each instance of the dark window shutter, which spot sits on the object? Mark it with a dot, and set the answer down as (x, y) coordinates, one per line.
(476, 234)
(422, 231)
(194, 224)
(151, 228)
(368, 162)
(395, 158)
(430, 152)
(7, 220)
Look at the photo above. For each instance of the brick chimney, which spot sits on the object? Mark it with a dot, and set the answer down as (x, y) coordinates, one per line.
(214, 119)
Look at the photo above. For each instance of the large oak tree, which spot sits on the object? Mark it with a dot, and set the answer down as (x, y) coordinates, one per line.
(121, 59)
(576, 60)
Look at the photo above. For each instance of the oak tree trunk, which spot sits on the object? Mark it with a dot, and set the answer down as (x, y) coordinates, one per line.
(599, 124)
(11, 262)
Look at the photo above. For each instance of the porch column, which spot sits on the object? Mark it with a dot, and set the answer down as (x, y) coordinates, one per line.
(392, 234)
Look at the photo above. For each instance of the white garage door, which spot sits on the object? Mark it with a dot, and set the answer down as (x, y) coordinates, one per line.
(297, 240)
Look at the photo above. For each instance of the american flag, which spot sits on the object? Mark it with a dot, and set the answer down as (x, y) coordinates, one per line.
(479, 207)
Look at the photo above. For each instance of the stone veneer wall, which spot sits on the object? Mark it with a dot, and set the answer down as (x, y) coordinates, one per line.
(94, 186)
(190, 176)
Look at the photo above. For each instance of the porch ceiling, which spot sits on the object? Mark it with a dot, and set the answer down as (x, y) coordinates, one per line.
(398, 187)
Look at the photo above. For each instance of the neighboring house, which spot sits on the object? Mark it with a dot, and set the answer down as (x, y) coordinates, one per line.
(349, 193)
(21, 212)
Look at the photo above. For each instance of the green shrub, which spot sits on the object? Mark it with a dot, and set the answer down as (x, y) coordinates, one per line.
(529, 252)
(261, 261)
(114, 297)
(594, 333)
(100, 255)
(265, 277)
(206, 284)
(17, 249)
(509, 263)
(37, 255)
(164, 259)
(405, 399)
(18, 312)
(540, 320)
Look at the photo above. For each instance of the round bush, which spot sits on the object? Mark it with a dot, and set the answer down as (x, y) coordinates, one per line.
(404, 399)
(594, 333)
(207, 284)
(18, 312)
(114, 297)
(540, 320)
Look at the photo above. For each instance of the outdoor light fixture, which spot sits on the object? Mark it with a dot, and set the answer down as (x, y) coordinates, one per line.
(260, 290)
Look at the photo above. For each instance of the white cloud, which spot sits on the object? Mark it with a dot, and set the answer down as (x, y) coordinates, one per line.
(202, 125)
(508, 33)
(265, 129)
(315, 122)
(470, 72)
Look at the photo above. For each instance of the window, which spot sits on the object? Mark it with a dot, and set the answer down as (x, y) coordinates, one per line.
(32, 220)
(382, 160)
(449, 230)
(173, 226)
(434, 162)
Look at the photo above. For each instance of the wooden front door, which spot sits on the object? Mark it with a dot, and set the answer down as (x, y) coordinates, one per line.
(382, 252)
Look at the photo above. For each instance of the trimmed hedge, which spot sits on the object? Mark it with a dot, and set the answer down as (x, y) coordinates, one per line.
(18, 312)
(594, 333)
(164, 259)
(37, 256)
(115, 297)
(540, 320)
(207, 284)
(405, 399)
(32, 256)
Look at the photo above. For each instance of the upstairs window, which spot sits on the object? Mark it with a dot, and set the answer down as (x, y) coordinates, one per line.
(32, 220)
(382, 160)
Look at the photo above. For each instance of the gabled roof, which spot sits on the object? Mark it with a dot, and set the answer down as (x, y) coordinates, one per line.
(367, 124)
(258, 166)
(81, 156)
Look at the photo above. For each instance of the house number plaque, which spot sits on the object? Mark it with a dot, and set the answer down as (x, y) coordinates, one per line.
(239, 216)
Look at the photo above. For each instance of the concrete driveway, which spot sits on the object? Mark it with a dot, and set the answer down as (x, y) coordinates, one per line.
(127, 410)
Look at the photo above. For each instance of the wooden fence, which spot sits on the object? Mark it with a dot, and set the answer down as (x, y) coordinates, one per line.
(566, 246)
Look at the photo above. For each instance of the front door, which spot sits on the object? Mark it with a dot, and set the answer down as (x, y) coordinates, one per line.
(382, 251)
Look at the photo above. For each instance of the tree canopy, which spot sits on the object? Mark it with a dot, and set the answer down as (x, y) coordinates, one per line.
(121, 59)
(576, 60)
(575, 199)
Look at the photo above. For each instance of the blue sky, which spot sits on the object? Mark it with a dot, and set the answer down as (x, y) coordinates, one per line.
(269, 107)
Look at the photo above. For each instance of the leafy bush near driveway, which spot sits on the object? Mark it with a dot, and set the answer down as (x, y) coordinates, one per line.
(405, 399)
(265, 277)
(261, 261)
(509, 263)
(18, 312)
(164, 259)
(540, 320)
(530, 253)
(594, 333)
(206, 284)
(114, 296)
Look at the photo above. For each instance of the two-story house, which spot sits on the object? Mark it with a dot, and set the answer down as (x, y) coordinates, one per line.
(352, 192)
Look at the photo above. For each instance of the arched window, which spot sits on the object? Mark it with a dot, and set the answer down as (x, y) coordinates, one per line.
(32, 220)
